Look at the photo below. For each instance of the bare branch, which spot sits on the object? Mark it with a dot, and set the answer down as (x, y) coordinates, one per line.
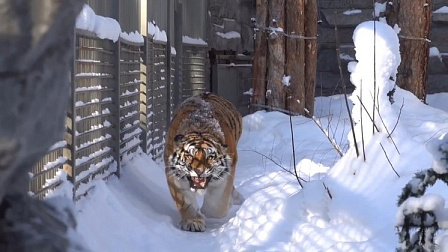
(344, 87)
(398, 119)
(276, 163)
(328, 190)
(388, 160)
(362, 128)
(332, 141)
(294, 150)
(370, 117)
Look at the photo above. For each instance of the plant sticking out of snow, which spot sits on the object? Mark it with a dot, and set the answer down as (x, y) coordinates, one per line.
(427, 213)
(378, 56)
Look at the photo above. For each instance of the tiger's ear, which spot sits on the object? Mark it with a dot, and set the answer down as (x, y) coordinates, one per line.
(179, 137)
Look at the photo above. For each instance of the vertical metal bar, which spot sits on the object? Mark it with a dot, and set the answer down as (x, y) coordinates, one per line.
(168, 63)
(117, 49)
(178, 45)
(150, 89)
(144, 121)
(73, 116)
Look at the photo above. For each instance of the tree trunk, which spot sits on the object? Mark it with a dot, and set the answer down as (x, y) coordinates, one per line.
(310, 53)
(260, 51)
(414, 18)
(295, 57)
(276, 57)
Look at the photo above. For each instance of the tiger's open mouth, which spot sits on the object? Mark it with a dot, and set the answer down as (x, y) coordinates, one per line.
(198, 182)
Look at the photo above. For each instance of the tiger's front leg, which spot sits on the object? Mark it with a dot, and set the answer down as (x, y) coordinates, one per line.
(185, 199)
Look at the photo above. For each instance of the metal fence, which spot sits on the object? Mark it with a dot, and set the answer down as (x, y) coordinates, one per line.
(195, 70)
(122, 98)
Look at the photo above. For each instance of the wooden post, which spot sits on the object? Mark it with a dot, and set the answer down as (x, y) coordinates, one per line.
(295, 56)
(260, 54)
(414, 19)
(276, 55)
(311, 16)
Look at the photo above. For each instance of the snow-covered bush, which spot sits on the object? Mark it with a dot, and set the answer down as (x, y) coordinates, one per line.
(420, 215)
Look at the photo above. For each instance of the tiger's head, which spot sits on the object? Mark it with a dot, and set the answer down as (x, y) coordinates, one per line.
(199, 158)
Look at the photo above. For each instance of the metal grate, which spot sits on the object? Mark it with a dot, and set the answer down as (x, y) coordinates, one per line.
(131, 58)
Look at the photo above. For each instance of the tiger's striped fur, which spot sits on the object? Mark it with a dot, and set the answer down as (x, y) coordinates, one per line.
(200, 153)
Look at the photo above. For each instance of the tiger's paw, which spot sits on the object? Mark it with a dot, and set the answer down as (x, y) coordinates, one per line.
(193, 225)
(237, 198)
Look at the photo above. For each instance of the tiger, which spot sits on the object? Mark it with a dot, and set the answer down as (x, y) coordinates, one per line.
(200, 157)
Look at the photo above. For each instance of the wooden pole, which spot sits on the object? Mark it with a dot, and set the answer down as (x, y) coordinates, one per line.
(414, 19)
(311, 16)
(260, 54)
(276, 55)
(295, 56)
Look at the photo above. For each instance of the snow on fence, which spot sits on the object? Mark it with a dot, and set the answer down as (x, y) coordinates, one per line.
(93, 117)
(46, 168)
(120, 101)
(131, 58)
(157, 91)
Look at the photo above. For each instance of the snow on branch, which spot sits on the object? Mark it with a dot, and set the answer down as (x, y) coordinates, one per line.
(426, 213)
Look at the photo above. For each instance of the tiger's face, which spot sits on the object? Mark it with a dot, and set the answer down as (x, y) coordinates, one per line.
(199, 159)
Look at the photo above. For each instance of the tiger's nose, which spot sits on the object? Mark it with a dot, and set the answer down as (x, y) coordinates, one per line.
(199, 171)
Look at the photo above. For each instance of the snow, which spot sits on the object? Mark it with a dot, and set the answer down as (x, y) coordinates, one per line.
(156, 33)
(434, 52)
(439, 150)
(347, 203)
(193, 41)
(229, 35)
(103, 27)
(443, 9)
(136, 212)
(427, 202)
(285, 80)
(58, 145)
(352, 12)
(133, 37)
(345, 56)
(379, 8)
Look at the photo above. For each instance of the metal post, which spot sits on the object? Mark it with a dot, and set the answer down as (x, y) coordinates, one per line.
(178, 45)
(168, 62)
(72, 161)
(117, 157)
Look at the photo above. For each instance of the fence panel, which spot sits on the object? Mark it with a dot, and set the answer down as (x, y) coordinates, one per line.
(115, 108)
(195, 70)
(94, 113)
(173, 102)
(44, 173)
(157, 97)
(131, 57)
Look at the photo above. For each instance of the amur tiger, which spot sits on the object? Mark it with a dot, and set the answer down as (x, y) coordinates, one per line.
(201, 156)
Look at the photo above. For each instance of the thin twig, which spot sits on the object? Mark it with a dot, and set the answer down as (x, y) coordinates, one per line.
(335, 145)
(275, 162)
(328, 190)
(362, 128)
(374, 72)
(388, 160)
(344, 88)
(294, 151)
(370, 117)
(385, 127)
(398, 119)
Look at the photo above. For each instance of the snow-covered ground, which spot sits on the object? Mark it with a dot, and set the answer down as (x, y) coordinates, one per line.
(136, 212)
(347, 203)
